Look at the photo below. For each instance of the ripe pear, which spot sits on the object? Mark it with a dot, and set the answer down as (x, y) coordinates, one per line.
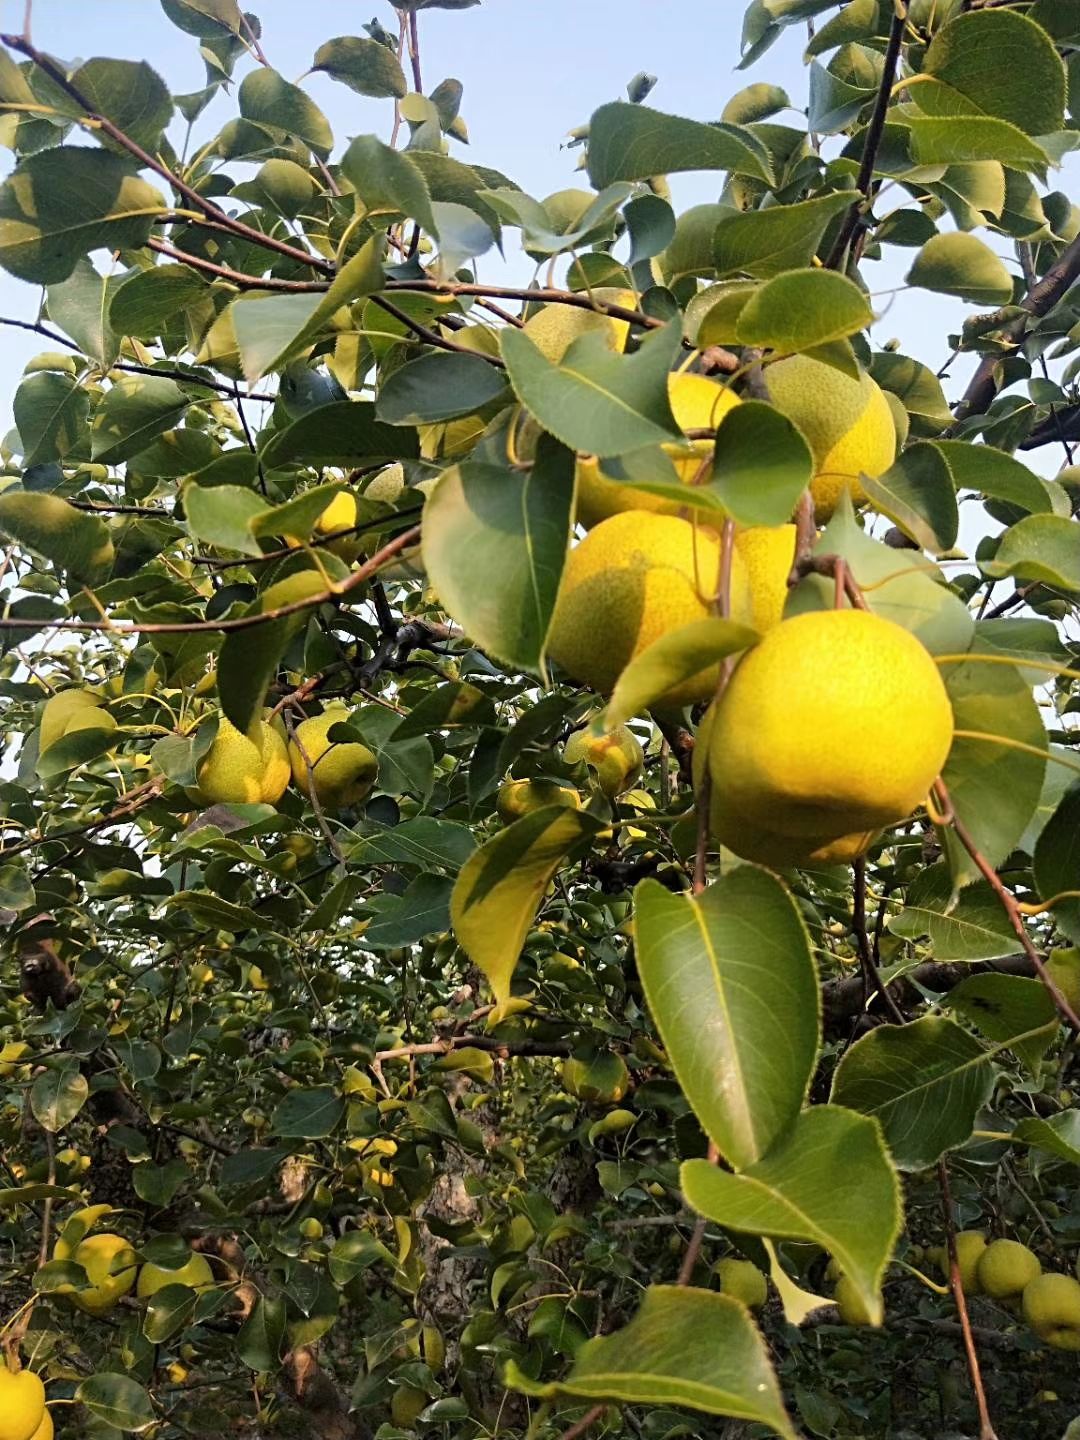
(849, 1303)
(772, 847)
(1051, 1306)
(603, 1080)
(836, 724)
(742, 1280)
(697, 403)
(1006, 1268)
(195, 1273)
(45, 1430)
(68, 710)
(340, 514)
(110, 1264)
(554, 328)
(847, 423)
(343, 774)
(22, 1404)
(243, 769)
(760, 568)
(617, 758)
(631, 580)
(517, 798)
(970, 1247)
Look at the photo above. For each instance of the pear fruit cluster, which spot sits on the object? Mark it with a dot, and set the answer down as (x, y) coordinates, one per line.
(255, 768)
(1012, 1274)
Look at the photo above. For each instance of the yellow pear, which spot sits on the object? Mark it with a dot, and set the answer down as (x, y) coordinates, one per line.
(760, 568)
(970, 1248)
(617, 758)
(1006, 1268)
(343, 774)
(633, 578)
(517, 798)
(743, 1280)
(847, 423)
(110, 1264)
(1051, 1306)
(243, 769)
(836, 724)
(771, 847)
(554, 328)
(340, 514)
(22, 1404)
(45, 1429)
(697, 403)
(195, 1273)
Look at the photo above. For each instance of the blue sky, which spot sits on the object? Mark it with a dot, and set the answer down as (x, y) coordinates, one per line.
(532, 69)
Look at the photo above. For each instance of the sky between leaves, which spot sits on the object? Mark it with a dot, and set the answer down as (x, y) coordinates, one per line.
(532, 69)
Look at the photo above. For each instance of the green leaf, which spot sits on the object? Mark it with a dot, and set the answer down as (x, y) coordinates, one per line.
(57, 1096)
(222, 514)
(961, 265)
(501, 885)
(683, 1347)
(494, 545)
(364, 66)
(1000, 1006)
(917, 387)
(755, 102)
(149, 301)
(353, 1253)
(990, 472)
(594, 400)
(1059, 1136)
(1057, 861)
(309, 1114)
(170, 1309)
(995, 62)
(62, 203)
(271, 330)
(732, 987)
(16, 889)
(925, 1082)
(131, 413)
(71, 539)
(632, 142)
(206, 18)
(159, 1184)
(957, 141)
(423, 909)
(116, 1401)
(438, 387)
(80, 306)
(421, 841)
(828, 1180)
(1040, 547)
(994, 787)
(51, 412)
(767, 242)
(454, 706)
(975, 927)
(667, 662)
(918, 493)
(258, 1341)
(130, 94)
(345, 433)
(267, 99)
(802, 308)
(387, 181)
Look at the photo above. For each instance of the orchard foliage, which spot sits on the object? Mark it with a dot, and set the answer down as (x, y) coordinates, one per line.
(338, 1098)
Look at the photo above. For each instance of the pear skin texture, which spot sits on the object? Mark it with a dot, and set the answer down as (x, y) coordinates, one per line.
(22, 1404)
(1006, 1268)
(343, 774)
(632, 579)
(238, 770)
(517, 798)
(697, 403)
(1051, 1306)
(617, 758)
(847, 423)
(743, 1281)
(836, 724)
(760, 568)
(110, 1264)
(196, 1274)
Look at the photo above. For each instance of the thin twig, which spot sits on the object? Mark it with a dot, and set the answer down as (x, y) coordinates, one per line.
(1008, 903)
(986, 1428)
(875, 130)
(872, 981)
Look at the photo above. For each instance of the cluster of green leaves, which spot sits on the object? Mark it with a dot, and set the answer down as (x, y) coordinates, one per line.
(279, 1045)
